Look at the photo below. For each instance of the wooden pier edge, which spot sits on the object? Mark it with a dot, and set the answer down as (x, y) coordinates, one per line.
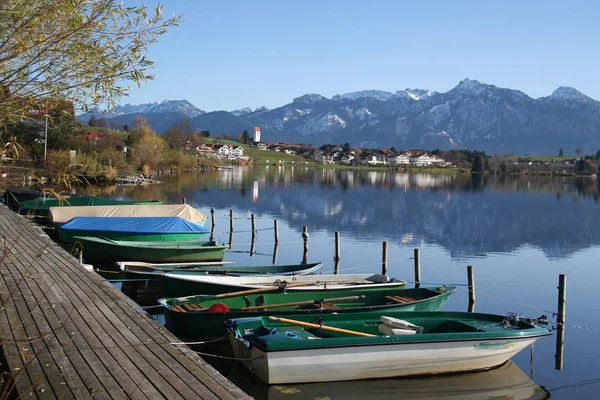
(65, 333)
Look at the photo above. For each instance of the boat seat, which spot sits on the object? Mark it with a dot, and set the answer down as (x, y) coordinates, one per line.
(399, 299)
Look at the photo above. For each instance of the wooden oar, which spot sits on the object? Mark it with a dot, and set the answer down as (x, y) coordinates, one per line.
(205, 297)
(302, 303)
(317, 326)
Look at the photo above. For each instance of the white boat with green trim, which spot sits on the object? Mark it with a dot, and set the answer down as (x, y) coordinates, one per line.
(339, 347)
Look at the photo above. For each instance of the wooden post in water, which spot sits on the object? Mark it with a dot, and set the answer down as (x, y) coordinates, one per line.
(336, 257)
(230, 239)
(560, 321)
(417, 258)
(212, 228)
(253, 242)
(184, 201)
(275, 248)
(305, 239)
(384, 259)
(471, 282)
(230, 220)
(276, 230)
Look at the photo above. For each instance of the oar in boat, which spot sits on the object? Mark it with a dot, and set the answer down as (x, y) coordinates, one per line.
(205, 297)
(317, 326)
(302, 303)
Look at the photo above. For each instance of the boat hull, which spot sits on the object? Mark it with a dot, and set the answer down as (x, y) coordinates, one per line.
(106, 251)
(381, 361)
(209, 325)
(181, 285)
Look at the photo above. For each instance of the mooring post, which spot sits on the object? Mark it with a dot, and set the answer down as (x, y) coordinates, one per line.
(275, 248)
(230, 239)
(230, 220)
(336, 257)
(212, 228)
(80, 257)
(417, 258)
(276, 230)
(184, 201)
(471, 283)
(253, 241)
(561, 317)
(384, 259)
(305, 239)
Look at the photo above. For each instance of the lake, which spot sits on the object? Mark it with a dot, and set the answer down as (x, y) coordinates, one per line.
(518, 232)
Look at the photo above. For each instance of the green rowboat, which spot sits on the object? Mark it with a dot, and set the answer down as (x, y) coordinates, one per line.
(107, 250)
(198, 317)
(382, 344)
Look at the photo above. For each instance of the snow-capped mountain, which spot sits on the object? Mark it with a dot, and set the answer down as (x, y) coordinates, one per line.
(183, 107)
(471, 115)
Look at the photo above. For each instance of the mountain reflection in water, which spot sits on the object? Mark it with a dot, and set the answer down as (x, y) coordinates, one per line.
(468, 215)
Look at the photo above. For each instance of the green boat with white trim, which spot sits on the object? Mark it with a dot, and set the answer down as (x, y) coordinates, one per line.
(201, 317)
(353, 346)
(106, 250)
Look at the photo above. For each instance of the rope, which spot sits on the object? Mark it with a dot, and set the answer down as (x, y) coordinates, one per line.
(227, 358)
(515, 302)
(193, 343)
(146, 308)
(576, 384)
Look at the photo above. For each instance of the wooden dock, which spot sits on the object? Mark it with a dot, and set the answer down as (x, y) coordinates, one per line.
(65, 333)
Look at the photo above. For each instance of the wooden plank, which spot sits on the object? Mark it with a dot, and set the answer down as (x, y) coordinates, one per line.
(131, 351)
(130, 387)
(110, 341)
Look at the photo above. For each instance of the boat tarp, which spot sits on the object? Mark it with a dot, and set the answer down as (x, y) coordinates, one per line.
(156, 225)
(42, 204)
(61, 215)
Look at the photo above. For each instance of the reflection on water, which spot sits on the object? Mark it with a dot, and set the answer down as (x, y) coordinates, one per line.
(504, 382)
(467, 215)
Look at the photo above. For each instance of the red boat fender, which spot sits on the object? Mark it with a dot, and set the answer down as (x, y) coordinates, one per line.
(218, 307)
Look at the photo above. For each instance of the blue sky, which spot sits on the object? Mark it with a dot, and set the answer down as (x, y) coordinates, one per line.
(232, 54)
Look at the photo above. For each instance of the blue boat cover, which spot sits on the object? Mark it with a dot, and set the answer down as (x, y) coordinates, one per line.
(134, 224)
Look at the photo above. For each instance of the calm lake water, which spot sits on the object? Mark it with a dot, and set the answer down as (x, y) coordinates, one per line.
(519, 233)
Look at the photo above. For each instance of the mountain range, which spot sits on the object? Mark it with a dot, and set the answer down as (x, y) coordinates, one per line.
(472, 115)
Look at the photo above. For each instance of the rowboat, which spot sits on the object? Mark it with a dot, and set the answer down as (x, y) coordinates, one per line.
(506, 382)
(39, 206)
(181, 284)
(352, 346)
(62, 215)
(203, 316)
(141, 229)
(108, 250)
(224, 268)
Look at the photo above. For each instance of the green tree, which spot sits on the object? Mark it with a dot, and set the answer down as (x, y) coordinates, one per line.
(61, 127)
(393, 150)
(561, 152)
(245, 137)
(89, 51)
(93, 121)
(477, 164)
